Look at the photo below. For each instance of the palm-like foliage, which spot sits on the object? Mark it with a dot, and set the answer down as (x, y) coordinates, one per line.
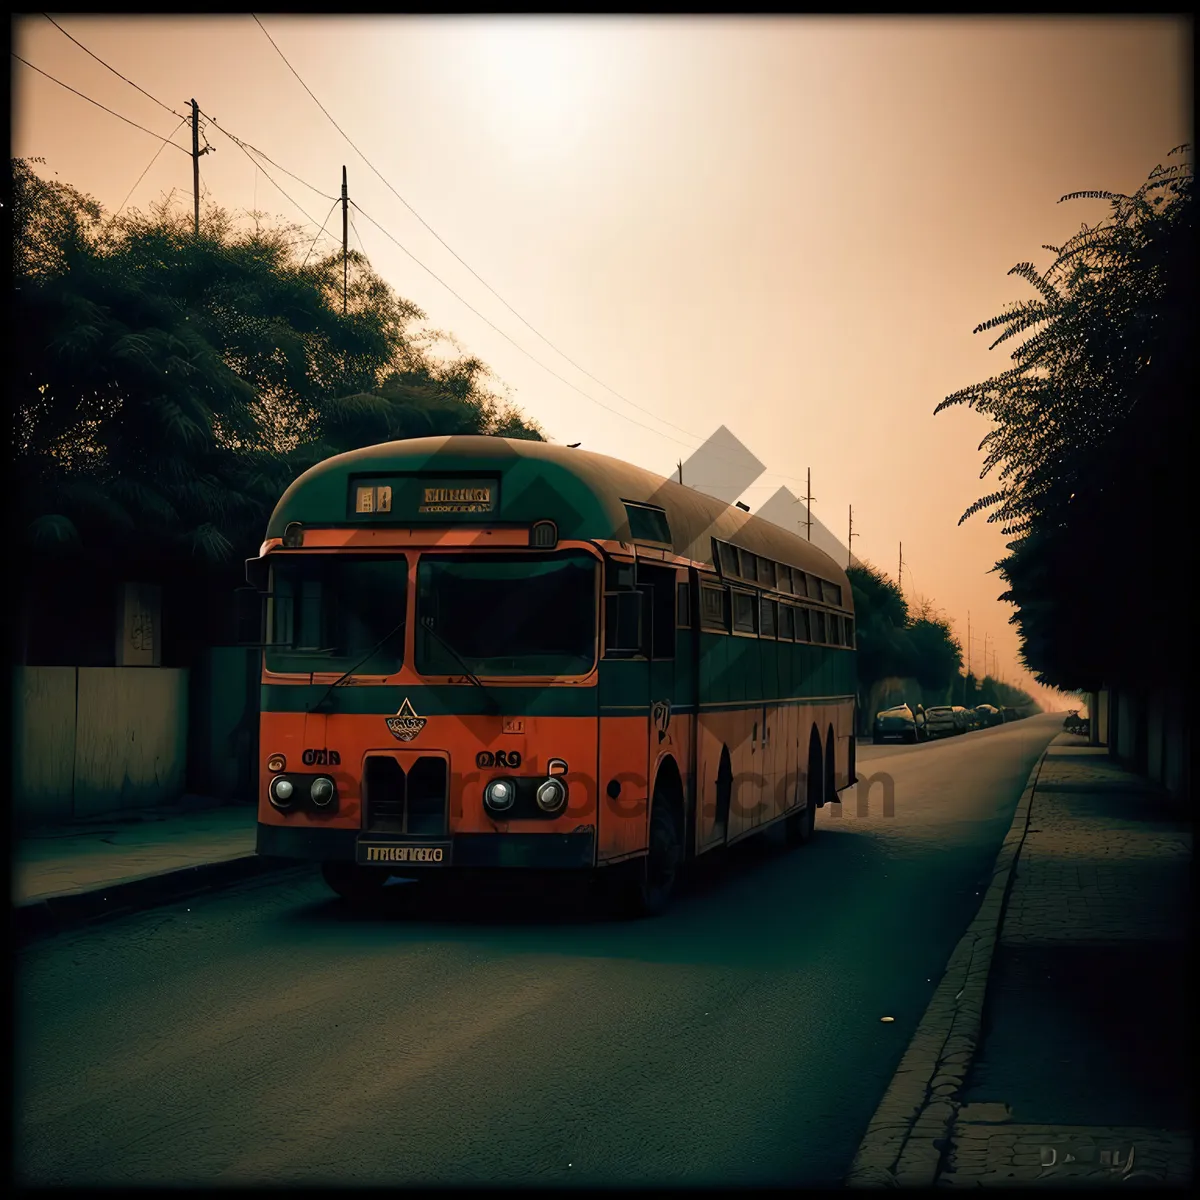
(1088, 423)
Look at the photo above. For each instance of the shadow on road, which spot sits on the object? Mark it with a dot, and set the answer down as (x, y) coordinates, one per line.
(746, 909)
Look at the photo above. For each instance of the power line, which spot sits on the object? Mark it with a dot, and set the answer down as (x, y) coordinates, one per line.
(247, 147)
(262, 154)
(95, 102)
(697, 437)
(507, 338)
(165, 142)
(582, 370)
(243, 147)
(319, 235)
(111, 68)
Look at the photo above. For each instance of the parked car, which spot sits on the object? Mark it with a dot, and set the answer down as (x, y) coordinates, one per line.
(960, 719)
(901, 724)
(989, 715)
(940, 721)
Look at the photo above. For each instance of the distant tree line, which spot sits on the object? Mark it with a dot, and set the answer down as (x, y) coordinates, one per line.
(1091, 442)
(913, 656)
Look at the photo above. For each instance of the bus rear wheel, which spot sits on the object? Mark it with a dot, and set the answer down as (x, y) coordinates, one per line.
(802, 826)
(650, 884)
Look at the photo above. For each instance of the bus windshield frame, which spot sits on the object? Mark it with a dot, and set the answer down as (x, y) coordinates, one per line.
(479, 600)
(346, 603)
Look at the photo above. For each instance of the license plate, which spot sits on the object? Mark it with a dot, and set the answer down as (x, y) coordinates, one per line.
(407, 854)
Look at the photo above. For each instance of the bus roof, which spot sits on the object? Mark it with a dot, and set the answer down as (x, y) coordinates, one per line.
(585, 494)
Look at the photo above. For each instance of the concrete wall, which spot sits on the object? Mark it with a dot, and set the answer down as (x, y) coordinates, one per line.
(1148, 732)
(223, 737)
(43, 760)
(92, 740)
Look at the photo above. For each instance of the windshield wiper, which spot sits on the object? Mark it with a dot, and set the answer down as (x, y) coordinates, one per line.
(427, 625)
(387, 637)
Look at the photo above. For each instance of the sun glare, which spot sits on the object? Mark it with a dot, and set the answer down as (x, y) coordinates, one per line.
(540, 82)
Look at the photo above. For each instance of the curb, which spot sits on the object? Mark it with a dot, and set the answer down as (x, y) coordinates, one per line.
(905, 1139)
(39, 919)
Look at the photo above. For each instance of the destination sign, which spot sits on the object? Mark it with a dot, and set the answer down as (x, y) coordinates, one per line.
(468, 498)
(397, 498)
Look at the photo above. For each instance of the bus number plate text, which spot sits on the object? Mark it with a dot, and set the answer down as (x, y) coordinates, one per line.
(390, 854)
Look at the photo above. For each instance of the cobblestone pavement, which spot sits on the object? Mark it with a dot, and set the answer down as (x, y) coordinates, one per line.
(1080, 1078)
(990, 1154)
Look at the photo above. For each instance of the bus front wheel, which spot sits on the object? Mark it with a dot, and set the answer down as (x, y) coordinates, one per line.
(650, 884)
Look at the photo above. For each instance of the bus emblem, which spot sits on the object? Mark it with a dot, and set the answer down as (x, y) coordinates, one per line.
(405, 725)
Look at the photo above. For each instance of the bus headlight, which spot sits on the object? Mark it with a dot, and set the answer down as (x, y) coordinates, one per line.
(499, 795)
(551, 795)
(321, 792)
(281, 792)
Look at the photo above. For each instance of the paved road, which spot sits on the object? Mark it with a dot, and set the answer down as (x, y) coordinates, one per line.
(263, 1035)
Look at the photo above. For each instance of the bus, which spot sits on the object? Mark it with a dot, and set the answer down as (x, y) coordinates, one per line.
(484, 654)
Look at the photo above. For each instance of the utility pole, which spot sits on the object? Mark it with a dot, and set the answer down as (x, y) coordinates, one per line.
(196, 164)
(849, 539)
(196, 152)
(900, 573)
(345, 241)
(808, 499)
(968, 643)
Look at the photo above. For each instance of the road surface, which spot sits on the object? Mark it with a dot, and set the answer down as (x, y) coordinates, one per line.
(266, 1035)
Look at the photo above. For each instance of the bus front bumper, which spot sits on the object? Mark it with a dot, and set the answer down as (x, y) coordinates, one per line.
(534, 851)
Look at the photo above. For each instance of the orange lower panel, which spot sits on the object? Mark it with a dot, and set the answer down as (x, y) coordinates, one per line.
(352, 737)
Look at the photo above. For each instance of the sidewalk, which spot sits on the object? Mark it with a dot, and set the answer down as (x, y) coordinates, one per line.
(1083, 1072)
(131, 860)
(1057, 1048)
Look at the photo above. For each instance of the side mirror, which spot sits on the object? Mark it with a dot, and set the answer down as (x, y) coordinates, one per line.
(256, 573)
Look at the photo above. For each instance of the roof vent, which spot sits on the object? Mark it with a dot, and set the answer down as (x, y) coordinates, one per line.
(545, 535)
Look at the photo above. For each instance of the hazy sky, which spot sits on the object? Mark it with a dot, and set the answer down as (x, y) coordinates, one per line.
(788, 226)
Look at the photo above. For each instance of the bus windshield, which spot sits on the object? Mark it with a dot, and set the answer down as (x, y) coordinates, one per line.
(507, 614)
(326, 611)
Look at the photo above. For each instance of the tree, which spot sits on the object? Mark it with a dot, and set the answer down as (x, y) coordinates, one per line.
(1086, 437)
(168, 387)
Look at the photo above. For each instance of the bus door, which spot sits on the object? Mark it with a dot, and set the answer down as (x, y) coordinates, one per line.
(658, 585)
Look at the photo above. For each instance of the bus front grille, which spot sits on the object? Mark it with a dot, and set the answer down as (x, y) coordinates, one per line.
(412, 802)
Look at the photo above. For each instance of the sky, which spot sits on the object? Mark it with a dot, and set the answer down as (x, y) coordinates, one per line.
(787, 226)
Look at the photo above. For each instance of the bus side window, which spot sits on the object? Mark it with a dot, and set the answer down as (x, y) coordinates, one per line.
(714, 608)
(818, 626)
(744, 607)
(803, 625)
(660, 610)
(787, 623)
(624, 632)
(767, 613)
(683, 613)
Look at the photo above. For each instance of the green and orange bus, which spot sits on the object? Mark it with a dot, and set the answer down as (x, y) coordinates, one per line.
(485, 654)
